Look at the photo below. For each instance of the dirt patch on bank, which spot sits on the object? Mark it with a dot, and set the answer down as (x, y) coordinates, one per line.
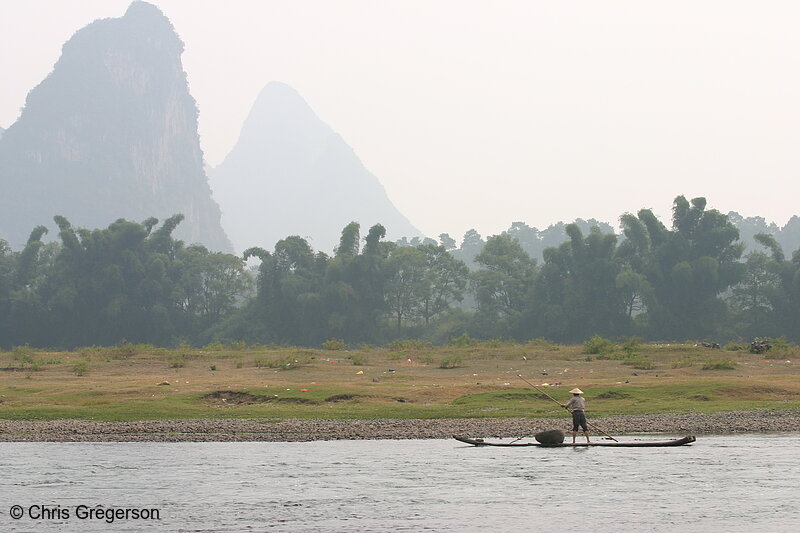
(229, 397)
(613, 395)
(343, 397)
(235, 397)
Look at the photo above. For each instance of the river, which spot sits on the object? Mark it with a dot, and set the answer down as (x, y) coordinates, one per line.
(720, 483)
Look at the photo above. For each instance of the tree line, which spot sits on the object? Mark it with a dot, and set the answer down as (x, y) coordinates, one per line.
(134, 282)
(129, 282)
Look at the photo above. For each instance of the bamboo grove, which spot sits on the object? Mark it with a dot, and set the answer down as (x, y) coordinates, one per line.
(133, 282)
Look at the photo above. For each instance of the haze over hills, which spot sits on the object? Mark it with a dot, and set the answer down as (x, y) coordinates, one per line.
(788, 235)
(110, 133)
(291, 174)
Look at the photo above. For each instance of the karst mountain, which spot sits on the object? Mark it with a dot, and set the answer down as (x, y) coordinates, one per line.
(292, 174)
(110, 133)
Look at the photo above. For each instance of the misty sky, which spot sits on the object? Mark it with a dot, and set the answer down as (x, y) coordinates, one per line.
(478, 114)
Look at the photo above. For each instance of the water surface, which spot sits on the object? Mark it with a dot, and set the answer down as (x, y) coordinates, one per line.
(720, 483)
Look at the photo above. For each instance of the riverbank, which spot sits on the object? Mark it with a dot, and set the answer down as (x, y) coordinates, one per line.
(299, 430)
(408, 381)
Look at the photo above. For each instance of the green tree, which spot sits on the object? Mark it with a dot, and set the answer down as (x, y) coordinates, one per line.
(501, 283)
(752, 297)
(635, 292)
(688, 267)
(576, 294)
(782, 290)
(447, 241)
(471, 246)
(7, 263)
(349, 242)
(406, 283)
(289, 296)
(445, 281)
(209, 285)
(353, 290)
(20, 276)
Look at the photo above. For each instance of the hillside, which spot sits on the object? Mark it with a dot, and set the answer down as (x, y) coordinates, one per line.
(110, 133)
(292, 174)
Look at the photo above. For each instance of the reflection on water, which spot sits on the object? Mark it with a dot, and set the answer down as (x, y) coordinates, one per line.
(721, 483)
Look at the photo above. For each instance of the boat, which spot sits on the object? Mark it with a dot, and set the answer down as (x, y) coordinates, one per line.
(630, 444)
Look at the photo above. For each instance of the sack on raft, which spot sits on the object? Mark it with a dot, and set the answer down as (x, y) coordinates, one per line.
(551, 436)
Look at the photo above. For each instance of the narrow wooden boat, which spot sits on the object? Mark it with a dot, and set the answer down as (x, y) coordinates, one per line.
(631, 444)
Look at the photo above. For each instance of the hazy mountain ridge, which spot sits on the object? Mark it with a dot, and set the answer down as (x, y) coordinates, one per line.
(291, 174)
(535, 241)
(110, 133)
(788, 235)
(532, 240)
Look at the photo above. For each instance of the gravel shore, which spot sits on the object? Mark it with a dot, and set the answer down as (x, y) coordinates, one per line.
(294, 430)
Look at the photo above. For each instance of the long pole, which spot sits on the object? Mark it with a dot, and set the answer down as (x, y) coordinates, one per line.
(559, 403)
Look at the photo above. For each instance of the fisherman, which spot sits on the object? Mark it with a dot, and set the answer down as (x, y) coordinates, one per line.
(576, 405)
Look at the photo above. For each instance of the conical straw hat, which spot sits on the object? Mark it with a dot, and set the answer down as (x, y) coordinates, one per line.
(576, 391)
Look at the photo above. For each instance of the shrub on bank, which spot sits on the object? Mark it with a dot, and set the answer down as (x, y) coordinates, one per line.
(334, 345)
(720, 364)
(453, 361)
(463, 340)
(598, 345)
(81, 368)
(735, 347)
(686, 362)
(177, 360)
(22, 354)
(780, 344)
(631, 345)
(541, 342)
(408, 344)
(358, 359)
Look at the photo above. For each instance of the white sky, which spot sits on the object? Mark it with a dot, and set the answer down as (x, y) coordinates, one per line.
(478, 114)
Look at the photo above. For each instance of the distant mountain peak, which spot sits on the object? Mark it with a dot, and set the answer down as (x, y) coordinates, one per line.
(110, 133)
(279, 98)
(145, 11)
(148, 19)
(290, 173)
(281, 90)
(281, 116)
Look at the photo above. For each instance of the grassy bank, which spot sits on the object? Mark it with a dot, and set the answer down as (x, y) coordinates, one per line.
(404, 380)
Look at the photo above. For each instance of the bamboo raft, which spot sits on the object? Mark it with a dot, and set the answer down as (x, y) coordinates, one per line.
(632, 444)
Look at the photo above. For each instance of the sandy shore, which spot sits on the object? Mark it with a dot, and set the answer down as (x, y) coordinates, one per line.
(294, 430)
